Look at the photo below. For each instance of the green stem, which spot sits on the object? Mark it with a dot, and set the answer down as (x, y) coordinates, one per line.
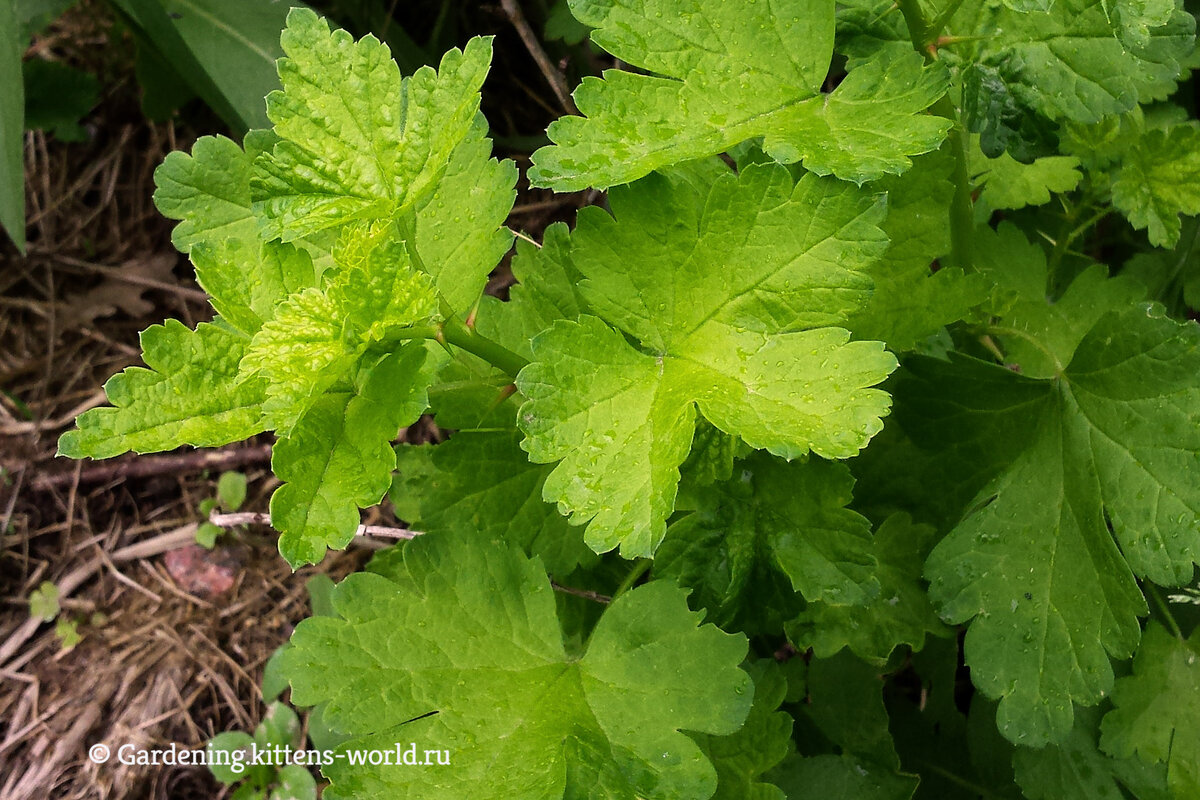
(962, 212)
(454, 332)
(1163, 609)
(640, 568)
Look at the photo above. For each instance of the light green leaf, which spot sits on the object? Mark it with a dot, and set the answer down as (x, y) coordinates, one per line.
(1034, 562)
(43, 601)
(358, 143)
(339, 458)
(765, 740)
(1156, 710)
(209, 191)
(189, 395)
(247, 280)
(730, 292)
(231, 489)
(773, 529)
(1158, 180)
(1009, 184)
(12, 127)
(460, 233)
(722, 74)
(466, 627)
(319, 333)
(483, 482)
(899, 614)
(547, 290)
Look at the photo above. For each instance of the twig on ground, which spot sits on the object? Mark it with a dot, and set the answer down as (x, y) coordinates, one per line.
(144, 466)
(256, 518)
(553, 77)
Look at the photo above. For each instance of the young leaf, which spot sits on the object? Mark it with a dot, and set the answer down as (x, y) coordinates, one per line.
(189, 395)
(357, 141)
(1034, 562)
(732, 292)
(1157, 181)
(247, 280)
(775, 528)
(723, 74)
(339, 458)
(466, 627)
(899, 614)
(1156, 710)
(318, 334)
(482, 481)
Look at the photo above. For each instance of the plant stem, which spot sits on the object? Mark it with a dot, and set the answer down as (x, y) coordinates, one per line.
(456, 333)
(640, 567)
(962, 212)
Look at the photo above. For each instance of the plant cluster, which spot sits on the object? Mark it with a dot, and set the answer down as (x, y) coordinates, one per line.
(878, 370)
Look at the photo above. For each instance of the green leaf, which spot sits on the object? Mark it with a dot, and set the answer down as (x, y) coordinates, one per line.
(319, 333)
(231, 751)
(910, 301)
(1065, 63)
(231, 489)
(723, 74)
(209, 191)
(732, 294)
(1040, 336)
(56, 97)
(742, 758)
(547, 290)
(483, 482)
(843, 777)
(294, 782)
(339, 458)
(1076, 769)
(1009, 184)
(774, 529)
(207, 535)
(842, 697)
(357, 142)
(460, 233)
(247, 280)
(1156, 710)
(189, 395)
(1034, 562)
(43, 601)
(466, 627)
(1157, 181)
(899, 614)
(12, 128)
